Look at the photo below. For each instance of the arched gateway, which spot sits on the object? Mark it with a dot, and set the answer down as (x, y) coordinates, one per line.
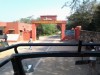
(49, 19)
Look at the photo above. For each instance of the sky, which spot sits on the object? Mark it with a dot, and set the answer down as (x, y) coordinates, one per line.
(12, 10)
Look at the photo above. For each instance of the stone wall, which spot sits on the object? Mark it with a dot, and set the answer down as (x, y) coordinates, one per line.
(87, 35)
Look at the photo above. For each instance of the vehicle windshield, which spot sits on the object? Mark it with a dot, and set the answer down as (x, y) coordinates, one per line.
(49, 37)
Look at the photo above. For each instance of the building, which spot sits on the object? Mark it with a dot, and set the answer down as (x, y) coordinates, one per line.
(16, 31)
(22, 32)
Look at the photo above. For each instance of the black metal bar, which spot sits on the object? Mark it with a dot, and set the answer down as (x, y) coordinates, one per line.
(57, 44)
(7, 48)
(17, 66)
(16, 58)
(57, 54)
(5, 61)
(47, 44)
(79, 46)
(16, 51)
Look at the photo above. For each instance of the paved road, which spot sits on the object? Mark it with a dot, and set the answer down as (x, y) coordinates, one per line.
(52, 66)
(8, 70)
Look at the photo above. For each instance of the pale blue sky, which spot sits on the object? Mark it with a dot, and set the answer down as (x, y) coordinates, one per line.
(12, 10)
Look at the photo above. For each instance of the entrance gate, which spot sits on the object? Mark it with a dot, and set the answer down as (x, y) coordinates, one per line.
(48, 20)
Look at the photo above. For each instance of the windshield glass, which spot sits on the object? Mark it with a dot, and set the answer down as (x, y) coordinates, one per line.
(26, 25)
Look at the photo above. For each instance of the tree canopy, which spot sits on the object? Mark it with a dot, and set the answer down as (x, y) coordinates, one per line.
(87, 15)
(47, 29)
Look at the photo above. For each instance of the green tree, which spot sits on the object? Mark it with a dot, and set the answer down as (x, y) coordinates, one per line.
(70, 25)
(27, 19)
(47, 29)
(96, 17)
(74, 4)
(83, 15)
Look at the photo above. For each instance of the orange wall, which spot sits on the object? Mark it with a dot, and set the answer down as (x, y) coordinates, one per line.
(24, 26)
(26, 36)
(3, 23)
(34, 32)
(17, 27)
(12, 26)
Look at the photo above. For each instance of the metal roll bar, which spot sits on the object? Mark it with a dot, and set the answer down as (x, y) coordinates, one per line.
(18, 57)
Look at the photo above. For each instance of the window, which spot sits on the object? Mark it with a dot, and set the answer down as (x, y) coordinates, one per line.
(11, 31)
(1, 32)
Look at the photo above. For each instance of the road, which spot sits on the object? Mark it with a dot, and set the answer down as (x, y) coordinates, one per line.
(51, 66)
(8, 70)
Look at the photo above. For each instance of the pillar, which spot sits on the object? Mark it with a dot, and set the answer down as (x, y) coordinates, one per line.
(77, 32)
(63, 28)
(33, 32)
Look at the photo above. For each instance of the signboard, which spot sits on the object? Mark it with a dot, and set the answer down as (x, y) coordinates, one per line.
(70, 33)
(47, 18)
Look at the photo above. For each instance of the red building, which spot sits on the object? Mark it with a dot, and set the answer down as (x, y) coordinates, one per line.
(16, 29)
